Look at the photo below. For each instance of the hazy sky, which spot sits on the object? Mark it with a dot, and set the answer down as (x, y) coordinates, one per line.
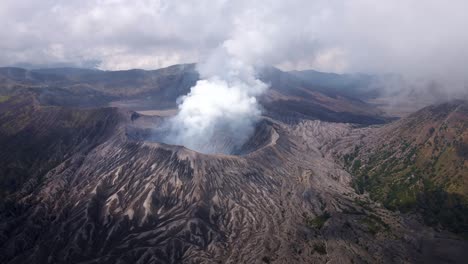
(415, 37)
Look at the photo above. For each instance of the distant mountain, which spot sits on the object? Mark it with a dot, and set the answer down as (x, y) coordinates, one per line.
(292, 98)
(85, 87)
(159, 89)
(89, 64)
(361, 86)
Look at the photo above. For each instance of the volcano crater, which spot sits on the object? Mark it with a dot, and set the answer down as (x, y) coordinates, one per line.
(152, 129)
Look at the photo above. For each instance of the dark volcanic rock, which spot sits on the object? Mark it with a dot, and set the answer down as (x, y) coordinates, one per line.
(96, 192)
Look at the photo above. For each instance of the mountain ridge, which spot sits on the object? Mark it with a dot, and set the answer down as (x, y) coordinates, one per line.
(417, 163)
(159, 89)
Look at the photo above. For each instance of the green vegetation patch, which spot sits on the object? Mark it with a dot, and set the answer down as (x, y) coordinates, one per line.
(415, 181)
(374, 224)
(317, 222)
(320, 248)
(4, 98)
(446, 209)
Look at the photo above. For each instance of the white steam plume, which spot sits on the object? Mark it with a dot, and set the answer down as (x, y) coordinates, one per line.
(219, 113)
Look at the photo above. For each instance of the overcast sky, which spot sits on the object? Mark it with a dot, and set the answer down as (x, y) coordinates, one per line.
(415, 37)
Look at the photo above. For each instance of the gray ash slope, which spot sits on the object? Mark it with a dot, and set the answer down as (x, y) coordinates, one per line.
(88, 187)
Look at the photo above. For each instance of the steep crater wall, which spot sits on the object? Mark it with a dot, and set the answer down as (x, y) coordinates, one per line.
(152, 129)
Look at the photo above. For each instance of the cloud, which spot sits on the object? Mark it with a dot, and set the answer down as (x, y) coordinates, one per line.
(420, 39)
(423, 43)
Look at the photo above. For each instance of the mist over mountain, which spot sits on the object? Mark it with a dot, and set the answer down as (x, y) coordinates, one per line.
(358, 36)
(156, 131)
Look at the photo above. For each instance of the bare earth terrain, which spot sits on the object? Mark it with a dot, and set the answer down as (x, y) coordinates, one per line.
(89, 184)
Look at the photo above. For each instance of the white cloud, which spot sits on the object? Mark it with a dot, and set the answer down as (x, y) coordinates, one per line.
(416, 38)
(425, 41)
